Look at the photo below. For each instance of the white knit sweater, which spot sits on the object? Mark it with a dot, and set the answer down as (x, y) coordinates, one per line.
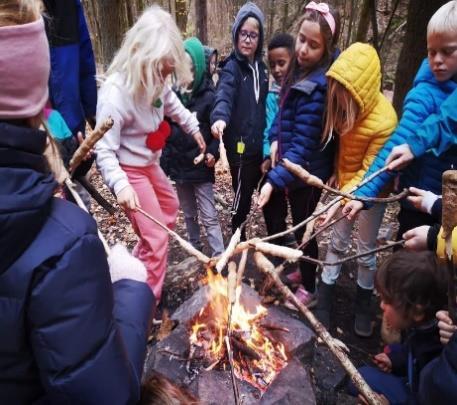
(125, 142)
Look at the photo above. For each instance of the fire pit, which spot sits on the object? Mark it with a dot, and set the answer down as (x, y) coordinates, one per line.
(270, 349)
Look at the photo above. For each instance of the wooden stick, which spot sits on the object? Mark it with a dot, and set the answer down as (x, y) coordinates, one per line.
(449, 222)
(355, 376)
(315, 181)
(184, 244)
(88, 143)
(223, 156)
(225, 256)
(236, 392)
(325, 208)
(231, 294)
(199, 158)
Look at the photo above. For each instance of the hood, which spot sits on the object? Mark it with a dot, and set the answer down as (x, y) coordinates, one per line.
(194, 48)
(358, 69)
(425, 75)
(208, 53)
(26, 189)
(248, 10)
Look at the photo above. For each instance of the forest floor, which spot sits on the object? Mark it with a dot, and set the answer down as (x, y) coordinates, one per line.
(184, 277)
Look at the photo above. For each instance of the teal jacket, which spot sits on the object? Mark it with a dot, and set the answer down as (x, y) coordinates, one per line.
(272, 108)
(439, 131)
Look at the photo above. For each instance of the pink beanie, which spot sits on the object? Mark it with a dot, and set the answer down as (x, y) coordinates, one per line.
(24, 70)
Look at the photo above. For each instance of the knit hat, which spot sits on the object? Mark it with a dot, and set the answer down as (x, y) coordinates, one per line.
(24, 70)
(194, 48)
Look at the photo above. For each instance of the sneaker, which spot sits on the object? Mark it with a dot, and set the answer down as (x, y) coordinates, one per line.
(305, 297)
(294, 277)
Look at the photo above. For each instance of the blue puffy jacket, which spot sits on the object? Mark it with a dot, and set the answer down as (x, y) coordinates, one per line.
(236, 102)
(298, 130)
(72, 85)
(424, 99)
(67, 334)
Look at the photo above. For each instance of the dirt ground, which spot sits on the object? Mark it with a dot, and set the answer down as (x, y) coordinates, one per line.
(182, 280)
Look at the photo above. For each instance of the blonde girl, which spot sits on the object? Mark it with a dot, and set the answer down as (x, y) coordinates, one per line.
(361, 119)
(135, 93)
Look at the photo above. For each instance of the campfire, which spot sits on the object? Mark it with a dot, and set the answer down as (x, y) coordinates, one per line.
(257, 357)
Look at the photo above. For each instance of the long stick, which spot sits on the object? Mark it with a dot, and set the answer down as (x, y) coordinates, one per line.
(267, 267)
(325, 208)
(184, 244)
(236, 392)
(449, 222)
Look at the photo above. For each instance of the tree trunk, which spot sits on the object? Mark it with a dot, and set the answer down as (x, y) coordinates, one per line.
(364, 22)
(201, 12)
(414, 48)
(181, 15)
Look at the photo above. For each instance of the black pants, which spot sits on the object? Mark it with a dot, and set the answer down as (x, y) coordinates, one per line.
(302, 202)
(246, 179)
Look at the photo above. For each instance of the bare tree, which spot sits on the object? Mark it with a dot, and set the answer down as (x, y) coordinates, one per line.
(201, 11)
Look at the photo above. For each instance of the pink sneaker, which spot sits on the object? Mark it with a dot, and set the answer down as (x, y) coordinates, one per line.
(294, 277)
(305, 297)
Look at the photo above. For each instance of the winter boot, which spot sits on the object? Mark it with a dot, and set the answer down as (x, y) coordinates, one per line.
(324, 303)
(363, 324)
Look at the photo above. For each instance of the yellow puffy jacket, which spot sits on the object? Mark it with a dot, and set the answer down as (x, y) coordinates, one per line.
(358, 69)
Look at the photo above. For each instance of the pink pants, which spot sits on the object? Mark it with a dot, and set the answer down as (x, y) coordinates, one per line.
(157, 198)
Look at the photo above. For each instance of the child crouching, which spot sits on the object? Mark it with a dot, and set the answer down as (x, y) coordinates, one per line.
(412, 288)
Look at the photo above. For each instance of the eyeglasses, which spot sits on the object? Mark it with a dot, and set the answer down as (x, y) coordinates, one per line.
(246, 34)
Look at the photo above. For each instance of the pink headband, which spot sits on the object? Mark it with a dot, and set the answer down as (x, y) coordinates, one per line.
(24, 70)
(325, 11)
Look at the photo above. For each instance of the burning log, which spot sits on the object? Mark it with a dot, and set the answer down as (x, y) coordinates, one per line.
(362, 386)
(241, 346)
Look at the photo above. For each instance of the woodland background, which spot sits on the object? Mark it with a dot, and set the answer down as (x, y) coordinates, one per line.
(397, 28)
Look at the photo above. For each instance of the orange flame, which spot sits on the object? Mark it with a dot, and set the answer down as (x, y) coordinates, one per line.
(210, 327)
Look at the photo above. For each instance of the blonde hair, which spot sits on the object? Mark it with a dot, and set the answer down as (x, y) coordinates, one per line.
(342, 111)
(147, 46)
(159, 390)
(444, 20)
(18, 12)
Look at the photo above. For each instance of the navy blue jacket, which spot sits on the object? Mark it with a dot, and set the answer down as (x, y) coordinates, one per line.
(177, 158)
(67, 334)
(235, 101)
(424, 99)
(298, 130)
(408, 359)
(72, 85)
(438, 384)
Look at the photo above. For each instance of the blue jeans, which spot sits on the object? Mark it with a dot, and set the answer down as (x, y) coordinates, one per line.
(195, 199)
(369, 223)
(392, 387)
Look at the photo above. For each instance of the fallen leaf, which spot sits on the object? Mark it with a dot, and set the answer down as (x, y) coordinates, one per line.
(166, 327)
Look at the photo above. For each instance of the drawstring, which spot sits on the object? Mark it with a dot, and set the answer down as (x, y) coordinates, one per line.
(255, 73)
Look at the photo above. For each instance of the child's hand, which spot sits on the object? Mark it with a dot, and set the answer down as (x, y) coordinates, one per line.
(265, 194)
(326, 217)
(416, 239)
(128, 199)
(332, 181)
(352, 208)
(400, 157)
(265, 166)
(274, 153)
(209, 160)
(447, 329)
(383, 362)
(421, 199)
(218, 128)
(198, 137)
